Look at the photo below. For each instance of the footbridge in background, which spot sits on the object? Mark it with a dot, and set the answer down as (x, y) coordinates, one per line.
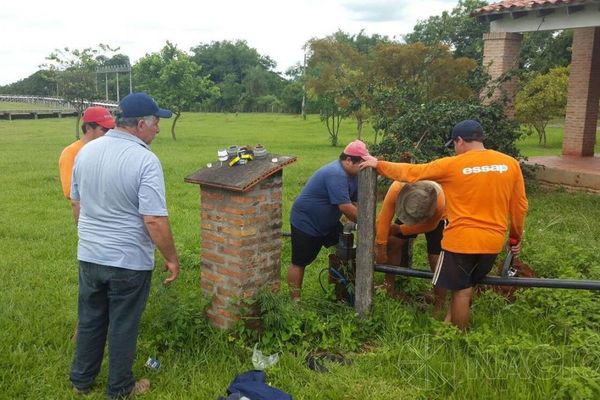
(44, 107)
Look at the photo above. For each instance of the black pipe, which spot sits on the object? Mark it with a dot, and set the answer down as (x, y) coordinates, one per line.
(496, 280)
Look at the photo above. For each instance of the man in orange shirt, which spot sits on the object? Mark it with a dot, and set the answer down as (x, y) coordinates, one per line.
(484, 189)
(96, 122)
(419, 208)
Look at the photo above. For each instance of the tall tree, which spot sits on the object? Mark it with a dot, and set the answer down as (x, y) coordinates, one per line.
(242, 74)
(463, 34)
(40, 83)
(74, 74)
(410, 76)
(541, 51)
(172, 78)
(335, 77)
(431, 72)
(291, 97)
(293, 90)
(219, 59)
(541, 99)
(362, 43)
(456, 29)
(259, 83)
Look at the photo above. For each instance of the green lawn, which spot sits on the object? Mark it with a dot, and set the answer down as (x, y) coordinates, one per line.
(544, 345)
(554, 133)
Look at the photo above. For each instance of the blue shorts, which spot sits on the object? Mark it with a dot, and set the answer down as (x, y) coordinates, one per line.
(305, 247)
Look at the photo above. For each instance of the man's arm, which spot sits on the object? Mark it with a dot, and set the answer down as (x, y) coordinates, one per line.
(75, 207)
(65, 169)
(386, 214)
(160, 233)
(518, 211)
(349, 210)
(436, 170)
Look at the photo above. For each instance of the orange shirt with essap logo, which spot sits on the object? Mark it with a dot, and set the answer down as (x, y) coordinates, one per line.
(388, 210)
(483, 189)
(65, 165)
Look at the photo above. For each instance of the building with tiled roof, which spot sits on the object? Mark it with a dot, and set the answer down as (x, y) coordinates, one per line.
(508, 19)
(528, 5)
(534, 15)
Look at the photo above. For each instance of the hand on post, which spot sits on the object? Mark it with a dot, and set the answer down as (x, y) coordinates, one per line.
(369, 161)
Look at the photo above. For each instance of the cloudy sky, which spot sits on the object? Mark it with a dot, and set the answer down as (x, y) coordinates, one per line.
(278, 28)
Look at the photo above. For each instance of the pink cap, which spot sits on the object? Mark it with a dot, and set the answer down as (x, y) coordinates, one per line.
(99, 115)
(357, 148)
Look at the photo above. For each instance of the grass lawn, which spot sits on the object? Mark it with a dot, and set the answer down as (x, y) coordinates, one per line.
(544, 345)
(554, 133)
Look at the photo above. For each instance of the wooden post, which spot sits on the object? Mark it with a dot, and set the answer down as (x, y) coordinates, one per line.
(367, 199)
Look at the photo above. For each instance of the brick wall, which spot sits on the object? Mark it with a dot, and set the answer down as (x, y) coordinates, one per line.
(584, 93)
(241, 246)
(500, 55)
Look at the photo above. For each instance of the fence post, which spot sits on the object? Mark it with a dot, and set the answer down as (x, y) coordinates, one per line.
(367, 180)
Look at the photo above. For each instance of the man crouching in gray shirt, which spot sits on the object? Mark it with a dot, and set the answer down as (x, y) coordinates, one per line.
(118, 199)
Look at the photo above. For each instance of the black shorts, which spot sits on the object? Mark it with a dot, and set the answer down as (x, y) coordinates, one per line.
(434, 237)
(456, 271)
(305, 247)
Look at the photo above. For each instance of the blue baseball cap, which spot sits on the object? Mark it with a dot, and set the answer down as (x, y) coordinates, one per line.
(141, 105)
(468, 129)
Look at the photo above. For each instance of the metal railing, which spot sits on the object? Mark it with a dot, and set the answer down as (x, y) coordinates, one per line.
(51, 101)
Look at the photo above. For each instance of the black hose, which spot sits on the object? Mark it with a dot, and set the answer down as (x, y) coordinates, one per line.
(496, 280)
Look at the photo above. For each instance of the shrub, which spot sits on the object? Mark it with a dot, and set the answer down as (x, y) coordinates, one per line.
(421, 130)
(318, 323)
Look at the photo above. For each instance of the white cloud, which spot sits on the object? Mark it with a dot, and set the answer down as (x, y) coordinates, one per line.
(275, 28)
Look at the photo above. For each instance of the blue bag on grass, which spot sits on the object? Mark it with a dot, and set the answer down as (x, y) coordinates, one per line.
(252, 384)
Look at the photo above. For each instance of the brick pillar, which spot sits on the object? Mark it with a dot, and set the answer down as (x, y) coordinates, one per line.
(501, 55)
(241, 246)
(584, 93)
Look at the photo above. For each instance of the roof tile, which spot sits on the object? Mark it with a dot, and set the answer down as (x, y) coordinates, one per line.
(521, 5)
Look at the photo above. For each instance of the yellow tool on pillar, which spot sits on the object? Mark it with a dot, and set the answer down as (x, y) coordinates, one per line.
(243, 156)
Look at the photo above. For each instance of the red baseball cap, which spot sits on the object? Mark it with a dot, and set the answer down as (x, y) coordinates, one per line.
(99, 115)
(357, 148)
